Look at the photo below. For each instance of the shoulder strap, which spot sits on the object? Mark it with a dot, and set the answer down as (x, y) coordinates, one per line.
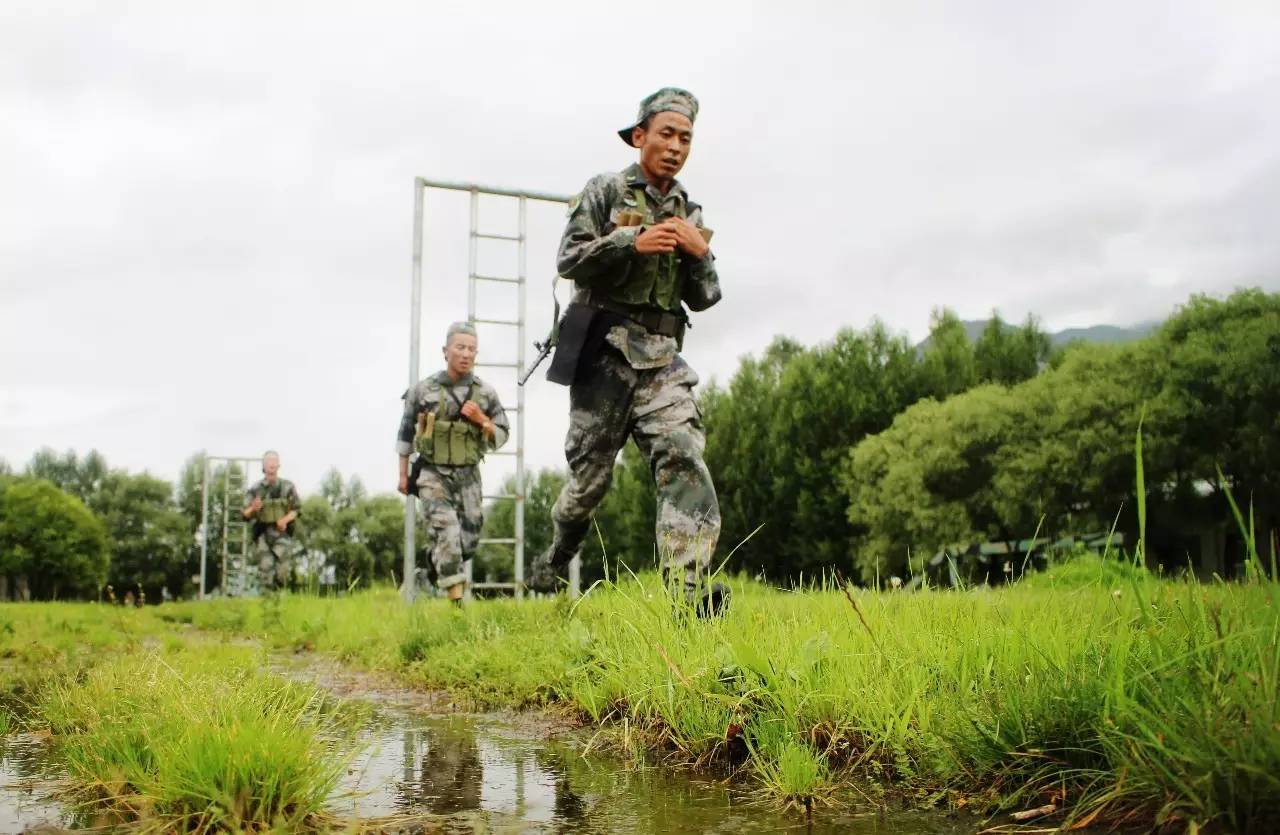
(642, 204)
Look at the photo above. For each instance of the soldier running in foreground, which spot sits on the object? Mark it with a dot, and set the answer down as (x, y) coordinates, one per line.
(451, 419)
(638, 255)
(273, 505)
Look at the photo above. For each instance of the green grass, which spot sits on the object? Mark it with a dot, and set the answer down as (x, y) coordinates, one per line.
(168, 730)
(202, 740)
(1133, 697)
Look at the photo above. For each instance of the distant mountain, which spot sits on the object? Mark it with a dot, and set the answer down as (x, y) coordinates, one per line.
(1097, 333)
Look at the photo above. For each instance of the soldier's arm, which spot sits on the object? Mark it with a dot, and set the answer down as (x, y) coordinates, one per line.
(252, 503)
(408, 424)
(701, 287)
(295, 504)
(498, 420)
(589, 251)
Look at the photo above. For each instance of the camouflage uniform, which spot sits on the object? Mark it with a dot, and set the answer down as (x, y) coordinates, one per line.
(276, 550)
(635, 384)
(451, 496)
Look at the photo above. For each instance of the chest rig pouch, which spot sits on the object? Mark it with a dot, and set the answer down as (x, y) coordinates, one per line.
(448, 442)
(273, 508)
(653, 280)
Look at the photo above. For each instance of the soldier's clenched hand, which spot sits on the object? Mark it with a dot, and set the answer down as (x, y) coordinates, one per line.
(404, 484)
(657, 240)
(254, 506)
(688, 238)
(282, 524)
(472, 412)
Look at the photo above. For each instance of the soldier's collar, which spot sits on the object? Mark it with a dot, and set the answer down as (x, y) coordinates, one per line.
(443, 378)
(634, 176)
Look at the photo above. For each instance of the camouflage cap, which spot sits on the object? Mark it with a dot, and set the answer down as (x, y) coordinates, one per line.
(668, 98)
(459, 327)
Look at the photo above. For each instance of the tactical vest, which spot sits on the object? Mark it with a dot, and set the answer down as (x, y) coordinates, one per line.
(654, 280)
(450, 443)
(273, 509)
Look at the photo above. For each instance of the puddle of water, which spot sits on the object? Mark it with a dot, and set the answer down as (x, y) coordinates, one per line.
(27, 776)
(482, 774)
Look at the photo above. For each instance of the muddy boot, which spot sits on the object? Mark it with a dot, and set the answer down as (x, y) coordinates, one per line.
(709, 600)
(550, 571)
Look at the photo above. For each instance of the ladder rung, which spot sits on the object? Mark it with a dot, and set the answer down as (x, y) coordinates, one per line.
(498, 365)
(493, 237)
(500, 496)
(515, 322)
(502, 279)
(501, 540)
(493, 585)
(501, 452)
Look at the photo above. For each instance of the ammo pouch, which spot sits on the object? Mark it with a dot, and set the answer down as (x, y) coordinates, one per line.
(272, 510)
(451, 443)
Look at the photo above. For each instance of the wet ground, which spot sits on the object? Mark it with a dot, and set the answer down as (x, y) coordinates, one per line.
(531, 772)
(485, 774)
(427, 767)
(27, 778)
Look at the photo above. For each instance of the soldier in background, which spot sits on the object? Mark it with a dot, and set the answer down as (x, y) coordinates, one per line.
(451, 419)
(273, 505)
(638, 255)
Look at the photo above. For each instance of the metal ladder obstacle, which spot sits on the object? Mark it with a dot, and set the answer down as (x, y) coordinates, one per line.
(238, 577)
(474, 282)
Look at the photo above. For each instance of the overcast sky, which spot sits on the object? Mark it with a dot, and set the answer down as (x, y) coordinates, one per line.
(206, 213)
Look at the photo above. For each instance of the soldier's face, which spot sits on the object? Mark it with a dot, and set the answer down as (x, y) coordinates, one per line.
(664, 145)
(271, 465)
(460, 353)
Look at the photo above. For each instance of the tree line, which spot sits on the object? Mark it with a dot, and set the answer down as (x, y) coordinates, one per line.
(864, 454)
(71, 527)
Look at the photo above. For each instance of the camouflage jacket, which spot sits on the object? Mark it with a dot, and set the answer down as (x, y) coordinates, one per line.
(594, 250)
(428, 394)
(282, 489)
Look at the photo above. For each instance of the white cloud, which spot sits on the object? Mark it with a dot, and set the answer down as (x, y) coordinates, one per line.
(205, 215)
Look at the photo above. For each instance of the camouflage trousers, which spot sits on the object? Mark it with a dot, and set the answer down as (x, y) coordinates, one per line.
(610, 402)
(277, 553)
(453, 510)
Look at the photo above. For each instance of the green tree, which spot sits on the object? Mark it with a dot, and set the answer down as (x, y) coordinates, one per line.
(149, 537)
(81, 477)
(929, 481)
(1009, 355)
(948, 363)
(52, 541)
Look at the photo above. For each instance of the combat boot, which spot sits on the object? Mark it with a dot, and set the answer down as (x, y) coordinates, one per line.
(550, 571)
(709, 600)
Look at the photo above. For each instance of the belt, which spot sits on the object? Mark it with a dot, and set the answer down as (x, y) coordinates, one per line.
(661, 322)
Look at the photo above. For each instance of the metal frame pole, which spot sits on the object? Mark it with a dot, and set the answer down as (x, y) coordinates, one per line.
(204, 524)
(472, 258)
(226, 505)
(521, 264)
(409, 587)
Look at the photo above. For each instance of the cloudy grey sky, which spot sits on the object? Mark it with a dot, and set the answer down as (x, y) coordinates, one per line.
(205, 210)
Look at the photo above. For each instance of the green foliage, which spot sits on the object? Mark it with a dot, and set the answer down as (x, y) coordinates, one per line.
(199, 742)
(149, 536)
(50, 538)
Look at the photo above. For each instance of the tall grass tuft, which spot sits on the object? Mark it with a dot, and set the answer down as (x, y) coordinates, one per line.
(199, 743)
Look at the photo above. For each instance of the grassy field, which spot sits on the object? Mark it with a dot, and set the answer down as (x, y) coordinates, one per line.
(170, 732)
(1097, 689)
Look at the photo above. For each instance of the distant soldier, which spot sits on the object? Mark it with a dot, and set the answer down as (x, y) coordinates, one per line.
(451, 419)
(638, 255)
(273, 505)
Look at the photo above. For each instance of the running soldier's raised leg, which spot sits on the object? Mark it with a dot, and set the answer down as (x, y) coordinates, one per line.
(599, 421)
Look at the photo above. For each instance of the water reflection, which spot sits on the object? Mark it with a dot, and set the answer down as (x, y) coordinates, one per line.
(488, 774)
(26, 779)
